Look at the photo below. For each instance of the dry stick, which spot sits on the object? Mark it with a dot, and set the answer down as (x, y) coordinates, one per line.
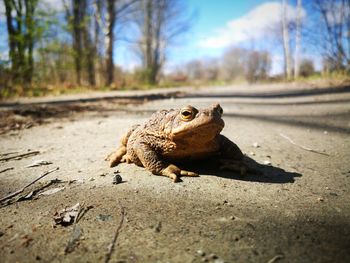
(111, 246)
(19, 155)
(6, 169)
(5, 154)
(29, 184)
(301, 146)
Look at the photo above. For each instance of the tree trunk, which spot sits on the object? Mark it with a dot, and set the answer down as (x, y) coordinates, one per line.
(77, 39)
(20, 28)
(109, 41)
(287, 62)
(29, 39)
(89, 51)
(148, 35)
(297, 41)
(11, 33)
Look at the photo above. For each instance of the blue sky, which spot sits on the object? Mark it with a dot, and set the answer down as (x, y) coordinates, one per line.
(218, 25)
(210, 15)
(223, 23)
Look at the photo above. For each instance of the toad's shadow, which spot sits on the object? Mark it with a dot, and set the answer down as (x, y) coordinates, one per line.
(256, 172)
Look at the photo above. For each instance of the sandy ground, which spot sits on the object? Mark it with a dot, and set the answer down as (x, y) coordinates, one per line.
(297, 210)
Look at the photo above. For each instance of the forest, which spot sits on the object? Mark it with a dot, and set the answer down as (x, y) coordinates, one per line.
(72, 45)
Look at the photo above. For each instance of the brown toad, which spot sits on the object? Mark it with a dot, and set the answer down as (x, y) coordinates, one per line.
(175, 136)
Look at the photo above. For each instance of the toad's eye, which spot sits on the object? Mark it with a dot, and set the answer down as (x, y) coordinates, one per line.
(186, 115)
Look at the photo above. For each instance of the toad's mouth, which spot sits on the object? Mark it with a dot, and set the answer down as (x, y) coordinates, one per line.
(210, 128)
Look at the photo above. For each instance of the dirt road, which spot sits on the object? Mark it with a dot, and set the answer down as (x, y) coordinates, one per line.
(297, 210)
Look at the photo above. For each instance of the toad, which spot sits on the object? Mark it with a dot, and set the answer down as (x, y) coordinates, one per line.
(171, 137)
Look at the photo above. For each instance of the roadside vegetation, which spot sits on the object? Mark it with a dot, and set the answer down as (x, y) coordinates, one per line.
(72, 49)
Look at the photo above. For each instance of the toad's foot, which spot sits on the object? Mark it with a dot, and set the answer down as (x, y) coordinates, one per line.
(236, 166)
(174, 172)
(116, 157)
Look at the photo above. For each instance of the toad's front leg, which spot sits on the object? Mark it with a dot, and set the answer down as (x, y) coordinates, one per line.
(153, 162)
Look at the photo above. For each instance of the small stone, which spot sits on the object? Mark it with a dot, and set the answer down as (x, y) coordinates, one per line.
(212, 256)
(256, 145)
(325, 132)
(232, 217)
(158, 227)
(320, 199)
(103, 174)
(117, 179)
(102, 217)
(252, 153)
(267, 162)
(201, 253)
(91, 179)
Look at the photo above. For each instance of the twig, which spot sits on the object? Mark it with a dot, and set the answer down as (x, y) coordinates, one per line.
(81, 212)
(111, 246)
(275, 258)
(301, 146)
(5, 154)
(27, 185)
(6, 169)
(73, 240)
(19, 156)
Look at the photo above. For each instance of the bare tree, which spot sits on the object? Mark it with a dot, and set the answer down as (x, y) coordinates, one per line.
(306, 67)
(160, 23)
(109, 40)
(251, 65)
(286, 51)
(297, 40)
(233, 63)
(107, 16)
(22, 32)
(78, 16)
(335, 22)
(75, 19)
(258, 65)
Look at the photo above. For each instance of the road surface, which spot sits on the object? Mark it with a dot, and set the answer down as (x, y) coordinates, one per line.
(297, 210)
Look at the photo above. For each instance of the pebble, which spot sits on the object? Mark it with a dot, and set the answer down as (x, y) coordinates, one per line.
(117, 179)
(91, 179)
(320, 199)
(256, 145)
(201, 252)
(267, 162)
(252, 153)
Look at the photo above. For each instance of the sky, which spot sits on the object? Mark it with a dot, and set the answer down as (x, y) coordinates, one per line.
(221, 24)
(217, 25)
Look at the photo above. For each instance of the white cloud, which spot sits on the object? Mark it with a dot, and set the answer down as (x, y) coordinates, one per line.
(254, 25)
